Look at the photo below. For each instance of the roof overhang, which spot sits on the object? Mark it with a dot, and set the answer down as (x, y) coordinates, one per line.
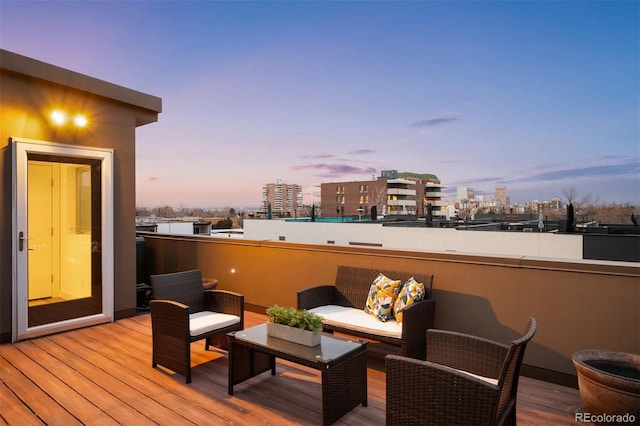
(33, 68)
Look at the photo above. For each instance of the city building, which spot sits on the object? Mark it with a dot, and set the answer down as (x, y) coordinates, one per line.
(281, 199)
(182, 227)
(501, 196)
(461, 193)
(353, 198)
(428, 193)
(392, 194)
(401, 197)
(433, 200)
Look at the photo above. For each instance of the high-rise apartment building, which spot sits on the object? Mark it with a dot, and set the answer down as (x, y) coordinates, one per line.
(462, 193)
(285, 199)
(501, 195)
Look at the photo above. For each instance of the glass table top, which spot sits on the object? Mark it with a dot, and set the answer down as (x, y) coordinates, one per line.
(330, 347)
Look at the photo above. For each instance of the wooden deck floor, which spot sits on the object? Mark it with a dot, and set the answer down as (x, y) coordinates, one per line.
(102, 375)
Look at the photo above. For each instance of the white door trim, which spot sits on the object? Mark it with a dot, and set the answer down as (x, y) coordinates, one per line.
(20, 147)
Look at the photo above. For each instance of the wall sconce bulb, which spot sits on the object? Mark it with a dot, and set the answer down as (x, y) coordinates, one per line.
(59, 117)
(80, 121)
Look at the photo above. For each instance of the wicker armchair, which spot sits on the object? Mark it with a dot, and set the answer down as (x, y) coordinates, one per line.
(440, 391)
(183, 312)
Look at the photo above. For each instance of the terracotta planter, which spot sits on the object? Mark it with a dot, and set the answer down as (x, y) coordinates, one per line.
(292, 334)
(609, 382)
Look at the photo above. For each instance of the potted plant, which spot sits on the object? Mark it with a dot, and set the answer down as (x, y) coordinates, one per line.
(299, 326)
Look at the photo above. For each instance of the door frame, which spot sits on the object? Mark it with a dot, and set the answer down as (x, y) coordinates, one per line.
(20, 148)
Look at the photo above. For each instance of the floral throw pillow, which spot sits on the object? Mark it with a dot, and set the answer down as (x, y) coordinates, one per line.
(412, 291)
(382, 294)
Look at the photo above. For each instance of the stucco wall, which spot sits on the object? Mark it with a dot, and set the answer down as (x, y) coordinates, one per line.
(25, 105)
(539, 244)
(578, 304)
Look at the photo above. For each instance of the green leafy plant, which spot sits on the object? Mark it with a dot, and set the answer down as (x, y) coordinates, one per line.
(292, 317)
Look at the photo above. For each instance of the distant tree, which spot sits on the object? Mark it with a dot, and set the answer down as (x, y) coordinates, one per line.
(223, 224)
(570, 194)
(613, 213)
(232, 212)
(464, 213)
(185, 212)
(380, 199)
(220, 212)
(165, 211)
(571, 197)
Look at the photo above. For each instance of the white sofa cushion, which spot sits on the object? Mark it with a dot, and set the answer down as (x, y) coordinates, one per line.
(484, 378)
(206, 321)
(357, 319)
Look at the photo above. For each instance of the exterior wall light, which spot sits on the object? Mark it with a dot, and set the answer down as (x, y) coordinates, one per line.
(59, 118)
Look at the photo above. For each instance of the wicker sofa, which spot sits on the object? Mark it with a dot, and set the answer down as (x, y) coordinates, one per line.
(342, 308)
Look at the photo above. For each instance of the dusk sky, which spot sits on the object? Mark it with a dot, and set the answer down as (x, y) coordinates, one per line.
(538, 96)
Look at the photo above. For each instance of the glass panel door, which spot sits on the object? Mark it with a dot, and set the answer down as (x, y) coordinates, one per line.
(64, 238)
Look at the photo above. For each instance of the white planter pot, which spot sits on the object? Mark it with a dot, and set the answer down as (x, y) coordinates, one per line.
(292, 334)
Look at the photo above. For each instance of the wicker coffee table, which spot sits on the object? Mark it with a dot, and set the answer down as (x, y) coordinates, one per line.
(343, 363)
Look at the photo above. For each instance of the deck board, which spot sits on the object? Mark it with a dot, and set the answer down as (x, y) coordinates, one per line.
(103, 375)
(28, 382)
